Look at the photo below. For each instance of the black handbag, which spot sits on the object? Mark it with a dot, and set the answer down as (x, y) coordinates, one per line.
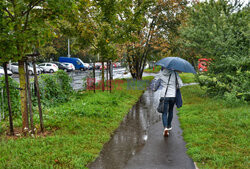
(160, 107)
(178, 98)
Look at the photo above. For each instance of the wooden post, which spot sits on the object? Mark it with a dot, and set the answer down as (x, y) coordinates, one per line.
(107, 74)
(29, 97)
(110, 78)
(94, 75)
(8, 96)
(38, 98)
(103, 87)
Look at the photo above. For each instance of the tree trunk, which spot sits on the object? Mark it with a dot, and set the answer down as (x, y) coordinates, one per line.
(23, 95)
(8, 97)
(29, 98)
(103, 87)
(38, 99)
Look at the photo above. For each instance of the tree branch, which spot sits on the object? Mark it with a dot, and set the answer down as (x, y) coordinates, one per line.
(10, 15)
(31, 6)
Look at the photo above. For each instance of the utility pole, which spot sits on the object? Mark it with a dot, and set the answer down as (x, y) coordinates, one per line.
(68, 48)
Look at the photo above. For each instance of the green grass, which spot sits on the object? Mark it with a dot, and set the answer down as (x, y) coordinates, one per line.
(81, 127)
(217, 134)
(187, 77)
(156, 70)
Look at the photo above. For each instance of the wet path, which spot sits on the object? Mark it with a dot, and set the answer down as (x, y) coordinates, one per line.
(138, 142)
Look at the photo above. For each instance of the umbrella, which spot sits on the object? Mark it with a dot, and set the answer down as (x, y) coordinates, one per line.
(176, 63)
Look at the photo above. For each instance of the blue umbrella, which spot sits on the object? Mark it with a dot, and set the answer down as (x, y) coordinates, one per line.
(176, 63)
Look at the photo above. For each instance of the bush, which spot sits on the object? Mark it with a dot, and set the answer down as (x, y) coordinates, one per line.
(55, 88)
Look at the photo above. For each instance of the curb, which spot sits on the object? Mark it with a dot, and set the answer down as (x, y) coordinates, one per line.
(195, 166)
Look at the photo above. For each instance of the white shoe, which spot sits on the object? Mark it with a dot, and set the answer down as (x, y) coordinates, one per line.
(169, 128)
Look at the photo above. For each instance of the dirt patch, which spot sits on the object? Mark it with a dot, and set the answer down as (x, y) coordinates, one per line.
(18, 133)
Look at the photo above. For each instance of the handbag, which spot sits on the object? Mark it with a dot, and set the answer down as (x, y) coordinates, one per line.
(178, 98)
(160, 107)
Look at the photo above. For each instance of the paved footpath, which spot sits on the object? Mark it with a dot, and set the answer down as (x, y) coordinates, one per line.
(139, 144)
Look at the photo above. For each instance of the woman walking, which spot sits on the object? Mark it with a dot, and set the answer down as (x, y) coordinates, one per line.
(168, 81)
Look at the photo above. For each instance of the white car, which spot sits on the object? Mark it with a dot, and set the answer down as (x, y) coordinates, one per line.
(14, 68)
(86, 65)
(69, 65)
(49, 67)
(2, 72)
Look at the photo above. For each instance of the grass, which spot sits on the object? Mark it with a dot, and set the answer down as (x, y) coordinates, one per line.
(187, 77)
(217, 134)
(81, 127)
(156, 70)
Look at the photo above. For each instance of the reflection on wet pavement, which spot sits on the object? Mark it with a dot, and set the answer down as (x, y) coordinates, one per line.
(131, 136)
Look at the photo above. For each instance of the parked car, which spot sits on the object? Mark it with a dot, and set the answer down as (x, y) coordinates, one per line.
(63, 67)
(98, 65)
(14, 68)
(39, 70)
(114, 65)
(2, 72)
(78, 63)
(49, 67)
(88, 66)
(105, 67)
(70, 66)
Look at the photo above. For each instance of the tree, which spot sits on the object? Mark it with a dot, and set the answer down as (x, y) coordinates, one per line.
(219, 30)
(27, 25)
(96, 28)
(147, 27)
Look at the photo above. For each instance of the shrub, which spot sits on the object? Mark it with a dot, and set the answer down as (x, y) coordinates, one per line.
(55, 88)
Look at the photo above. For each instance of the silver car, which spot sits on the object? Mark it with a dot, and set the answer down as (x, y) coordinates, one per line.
(2, 72)
(49, 67)
(14, 68)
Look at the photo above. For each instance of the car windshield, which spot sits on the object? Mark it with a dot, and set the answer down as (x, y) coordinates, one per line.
(81, 61)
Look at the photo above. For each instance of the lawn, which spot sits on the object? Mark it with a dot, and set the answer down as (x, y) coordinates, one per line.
(151, 70)
(217, 134)
(78, 130)
(187, 77)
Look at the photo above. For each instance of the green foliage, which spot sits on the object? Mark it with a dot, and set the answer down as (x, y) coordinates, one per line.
(55, 88)
(219, 30)
(216, 133)
(65, 81)
(14, 96)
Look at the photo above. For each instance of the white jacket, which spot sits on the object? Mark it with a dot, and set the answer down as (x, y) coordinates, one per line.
(164, 76)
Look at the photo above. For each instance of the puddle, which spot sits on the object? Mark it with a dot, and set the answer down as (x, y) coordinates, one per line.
(131, 136)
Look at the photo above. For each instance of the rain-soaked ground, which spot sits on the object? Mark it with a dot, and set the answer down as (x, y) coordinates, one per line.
(138, 142)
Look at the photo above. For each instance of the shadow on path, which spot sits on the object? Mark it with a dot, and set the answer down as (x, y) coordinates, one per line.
(138, 142)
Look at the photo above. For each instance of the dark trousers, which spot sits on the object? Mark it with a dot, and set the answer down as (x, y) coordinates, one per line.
(167, 115)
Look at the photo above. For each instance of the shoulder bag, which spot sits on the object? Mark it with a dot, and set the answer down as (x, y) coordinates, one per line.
(178, 99)
(160, 107)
